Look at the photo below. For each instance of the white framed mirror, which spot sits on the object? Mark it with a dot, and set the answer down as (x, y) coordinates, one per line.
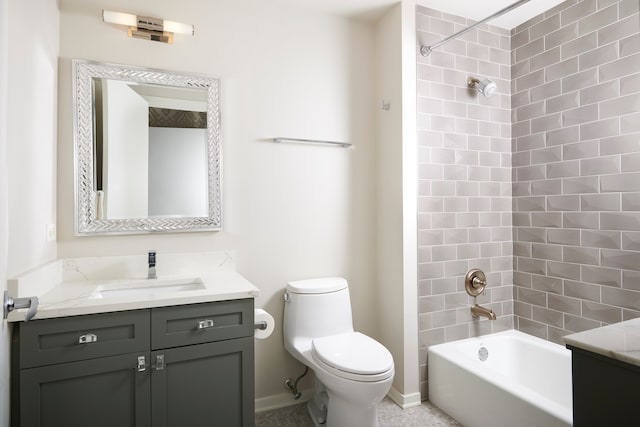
(147, 150)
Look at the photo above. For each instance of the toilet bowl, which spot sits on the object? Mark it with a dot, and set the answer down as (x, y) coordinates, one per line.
(353, 371)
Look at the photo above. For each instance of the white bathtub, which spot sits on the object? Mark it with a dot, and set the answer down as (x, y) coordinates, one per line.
(524, 381)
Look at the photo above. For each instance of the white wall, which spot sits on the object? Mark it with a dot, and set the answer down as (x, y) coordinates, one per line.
(291, 211)
(28, 122)
(411, 389)
(31, 131)
(396, 210)
(4, 334)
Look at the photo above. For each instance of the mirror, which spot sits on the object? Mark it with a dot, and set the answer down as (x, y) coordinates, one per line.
(147, 150)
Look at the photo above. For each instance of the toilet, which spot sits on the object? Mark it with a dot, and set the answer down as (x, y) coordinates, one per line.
(353, 371)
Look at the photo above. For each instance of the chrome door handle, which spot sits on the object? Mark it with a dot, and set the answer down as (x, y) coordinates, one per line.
(142, 363)
(11, 304)
(87, 338)
(160, 362)
(205, 324)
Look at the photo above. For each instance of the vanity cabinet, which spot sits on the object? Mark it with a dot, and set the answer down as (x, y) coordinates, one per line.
(604, 390)
(189, 365)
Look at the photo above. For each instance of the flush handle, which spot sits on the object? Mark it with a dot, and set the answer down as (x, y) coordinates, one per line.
(87, 338)
(205, 324)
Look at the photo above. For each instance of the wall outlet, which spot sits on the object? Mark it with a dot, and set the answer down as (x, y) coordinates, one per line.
(51, 233)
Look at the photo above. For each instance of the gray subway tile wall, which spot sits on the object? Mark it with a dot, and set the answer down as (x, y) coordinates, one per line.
(465, 183)
(596, 85)
(538, 185)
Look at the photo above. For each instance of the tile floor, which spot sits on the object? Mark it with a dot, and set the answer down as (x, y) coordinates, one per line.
(389, 415)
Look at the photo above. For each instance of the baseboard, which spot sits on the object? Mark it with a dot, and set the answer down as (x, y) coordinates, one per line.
(405, 401)
(281, 400)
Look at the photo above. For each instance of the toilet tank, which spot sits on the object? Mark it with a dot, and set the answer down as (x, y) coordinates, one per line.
(317, 308)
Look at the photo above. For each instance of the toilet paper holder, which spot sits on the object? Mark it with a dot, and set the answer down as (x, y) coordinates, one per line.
(262, 325)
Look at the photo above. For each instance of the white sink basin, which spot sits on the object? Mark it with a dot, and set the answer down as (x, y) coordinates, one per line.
(148, 288)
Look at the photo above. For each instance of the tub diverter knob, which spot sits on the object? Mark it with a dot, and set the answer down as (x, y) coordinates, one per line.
(475, 281)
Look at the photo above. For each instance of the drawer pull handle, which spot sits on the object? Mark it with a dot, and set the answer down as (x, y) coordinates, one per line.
(142, 364)
(160, 362)
(205, 324)
(87, 338)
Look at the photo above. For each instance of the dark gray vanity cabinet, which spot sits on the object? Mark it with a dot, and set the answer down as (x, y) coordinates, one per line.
(190, 365)
(605, 390)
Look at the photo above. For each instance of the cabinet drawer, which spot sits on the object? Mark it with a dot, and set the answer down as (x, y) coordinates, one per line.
(200, 323)
(50, 341)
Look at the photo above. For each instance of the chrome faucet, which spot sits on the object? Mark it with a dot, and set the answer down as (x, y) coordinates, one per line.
(477, 311)
(151, 261)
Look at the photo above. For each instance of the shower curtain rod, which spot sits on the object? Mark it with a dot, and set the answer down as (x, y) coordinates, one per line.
(426, 50)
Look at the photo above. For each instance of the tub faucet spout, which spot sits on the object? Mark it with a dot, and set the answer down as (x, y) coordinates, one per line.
(477, 311)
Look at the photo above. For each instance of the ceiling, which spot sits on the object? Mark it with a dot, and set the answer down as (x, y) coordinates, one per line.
(473, 9)
(478, 10)
(372, 10)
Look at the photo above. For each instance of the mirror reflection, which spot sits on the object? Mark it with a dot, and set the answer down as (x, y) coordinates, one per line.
(151, 150)
(147, 150)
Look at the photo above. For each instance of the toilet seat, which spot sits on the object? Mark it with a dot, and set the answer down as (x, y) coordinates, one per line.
(353, 356)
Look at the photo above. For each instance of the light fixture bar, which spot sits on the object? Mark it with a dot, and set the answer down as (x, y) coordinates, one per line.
(146, 27)
(178, 27)
(155, 36)
(149, 24)
(119, 18)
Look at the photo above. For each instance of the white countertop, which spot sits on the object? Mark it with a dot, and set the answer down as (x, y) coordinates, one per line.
(620, 341)
(76, 286)
(76, 298)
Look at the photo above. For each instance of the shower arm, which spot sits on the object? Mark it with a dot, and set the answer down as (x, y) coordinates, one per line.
(426, 50)
(472, 81)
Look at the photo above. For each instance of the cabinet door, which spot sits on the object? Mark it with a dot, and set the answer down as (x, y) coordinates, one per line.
(103, 392)
(204, 385)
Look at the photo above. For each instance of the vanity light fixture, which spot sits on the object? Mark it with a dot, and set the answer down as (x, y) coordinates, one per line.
(146, 27)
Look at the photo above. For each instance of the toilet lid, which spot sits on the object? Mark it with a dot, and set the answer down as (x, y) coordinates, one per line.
(317, 286)
(353, 352)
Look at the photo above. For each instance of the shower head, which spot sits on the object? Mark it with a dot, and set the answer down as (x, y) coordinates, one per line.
(485, 87)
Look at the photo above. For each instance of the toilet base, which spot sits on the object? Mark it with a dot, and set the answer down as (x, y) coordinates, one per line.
(345, 414)
(318, 417)
(326, 409)
(317, 406)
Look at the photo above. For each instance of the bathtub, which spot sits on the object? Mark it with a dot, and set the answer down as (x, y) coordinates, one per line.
(504, 379)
